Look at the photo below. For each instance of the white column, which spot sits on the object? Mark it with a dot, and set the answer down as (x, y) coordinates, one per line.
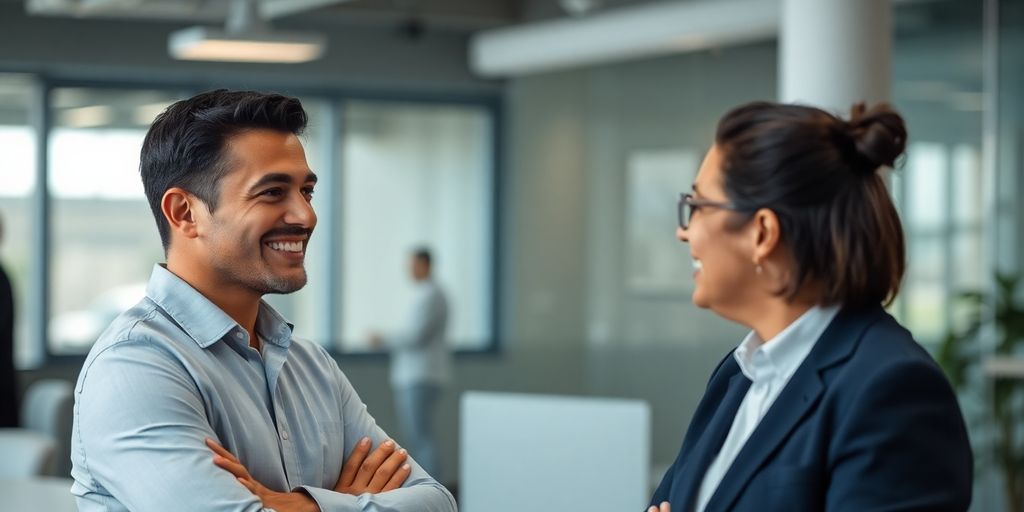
(833, 53)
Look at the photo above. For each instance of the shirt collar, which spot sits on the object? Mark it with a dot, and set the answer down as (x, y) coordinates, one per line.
(273, 327)
(780, 356)
(201, 319)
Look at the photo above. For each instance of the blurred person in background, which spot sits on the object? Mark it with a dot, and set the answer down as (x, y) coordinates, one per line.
(420, 361)
(828, 403)
(8, 377)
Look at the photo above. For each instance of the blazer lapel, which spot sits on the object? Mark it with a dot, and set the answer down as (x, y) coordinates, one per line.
(789, 408)
(688, 480)
(794, 402)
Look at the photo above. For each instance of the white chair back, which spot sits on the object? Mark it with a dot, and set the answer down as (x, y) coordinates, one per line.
(48, 407)
(535, 452)
(25, 453)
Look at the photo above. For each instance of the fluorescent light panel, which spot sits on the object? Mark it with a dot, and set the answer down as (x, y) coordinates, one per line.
(87, 117)
(211, 44)
(145, 114)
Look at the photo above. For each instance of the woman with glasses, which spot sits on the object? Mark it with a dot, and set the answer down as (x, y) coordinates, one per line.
(828, 403)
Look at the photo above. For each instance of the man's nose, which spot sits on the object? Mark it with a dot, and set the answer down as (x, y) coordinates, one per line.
(301, 213)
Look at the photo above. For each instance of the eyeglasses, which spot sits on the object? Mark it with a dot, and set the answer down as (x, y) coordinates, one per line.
(688, 204)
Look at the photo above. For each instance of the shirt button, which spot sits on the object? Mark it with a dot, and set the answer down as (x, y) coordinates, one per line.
(284, 435)
(239, 335)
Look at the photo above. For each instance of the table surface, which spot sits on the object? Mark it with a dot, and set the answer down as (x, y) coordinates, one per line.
(41, 493)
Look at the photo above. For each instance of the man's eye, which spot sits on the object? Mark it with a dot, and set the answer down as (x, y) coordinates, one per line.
(272, 192)
(308, 191)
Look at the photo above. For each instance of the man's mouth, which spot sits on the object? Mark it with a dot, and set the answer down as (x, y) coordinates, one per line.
(285, 246)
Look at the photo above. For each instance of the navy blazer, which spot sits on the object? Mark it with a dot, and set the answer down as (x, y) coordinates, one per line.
(867, 423)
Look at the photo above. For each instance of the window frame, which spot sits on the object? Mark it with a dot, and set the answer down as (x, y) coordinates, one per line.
(43, 124)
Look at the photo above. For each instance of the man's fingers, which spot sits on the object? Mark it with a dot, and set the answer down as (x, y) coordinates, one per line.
(228, 462)
(220, 450)
(369, 466)
(398, 478)
(387, 469)
(235, 468)
(665, 507)
(248, 484)
(355, 460)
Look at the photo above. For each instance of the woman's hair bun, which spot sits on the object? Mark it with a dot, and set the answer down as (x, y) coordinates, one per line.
(878, 134)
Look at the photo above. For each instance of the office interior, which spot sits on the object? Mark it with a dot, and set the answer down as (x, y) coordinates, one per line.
(547, 192)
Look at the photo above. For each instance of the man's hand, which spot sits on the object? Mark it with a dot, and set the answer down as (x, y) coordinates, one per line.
(665, 507)
(279, 501)
(383, 470)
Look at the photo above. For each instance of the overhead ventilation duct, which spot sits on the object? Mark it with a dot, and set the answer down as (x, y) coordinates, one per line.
(625, 33)
(166, 10)
(246, 37)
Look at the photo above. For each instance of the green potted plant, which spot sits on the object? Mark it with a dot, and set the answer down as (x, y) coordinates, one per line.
(1000, 408)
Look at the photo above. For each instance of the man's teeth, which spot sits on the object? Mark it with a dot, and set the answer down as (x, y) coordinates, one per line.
(286, 246)
(697, 264)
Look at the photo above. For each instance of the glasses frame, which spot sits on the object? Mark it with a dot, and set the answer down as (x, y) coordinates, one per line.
(688, 204)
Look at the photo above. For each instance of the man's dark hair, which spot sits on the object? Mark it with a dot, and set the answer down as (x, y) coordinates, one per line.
(185, 146)
(423, 254)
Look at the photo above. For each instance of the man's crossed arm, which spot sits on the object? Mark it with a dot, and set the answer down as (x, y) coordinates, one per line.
(140, 431)
(364, 472)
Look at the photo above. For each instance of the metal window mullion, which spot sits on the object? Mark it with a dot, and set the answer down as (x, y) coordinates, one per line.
(990, 215)
(331, 181)
(949, 239)
(909, 235)
(39, 281)
(495, 112)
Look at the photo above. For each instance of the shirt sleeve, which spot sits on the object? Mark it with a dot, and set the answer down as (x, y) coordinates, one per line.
(419, 493)
(142, 427)
(424, 320)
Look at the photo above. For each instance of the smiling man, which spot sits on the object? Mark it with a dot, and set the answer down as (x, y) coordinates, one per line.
(199, 398)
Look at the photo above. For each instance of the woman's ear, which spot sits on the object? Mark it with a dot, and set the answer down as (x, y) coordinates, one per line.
(765, 235)
(178, 207)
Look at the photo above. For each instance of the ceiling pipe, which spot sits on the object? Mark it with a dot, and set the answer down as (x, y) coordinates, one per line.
(619, 34)
(174, 10)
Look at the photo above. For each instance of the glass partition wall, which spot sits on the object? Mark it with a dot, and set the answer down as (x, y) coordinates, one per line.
(18, 223)
(103, 237)
(90, 229)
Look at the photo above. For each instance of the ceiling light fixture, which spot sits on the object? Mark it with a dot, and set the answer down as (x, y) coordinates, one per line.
(246, 37)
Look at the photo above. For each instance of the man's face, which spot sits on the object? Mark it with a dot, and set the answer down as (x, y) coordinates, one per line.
(419, 269)
(256, 239)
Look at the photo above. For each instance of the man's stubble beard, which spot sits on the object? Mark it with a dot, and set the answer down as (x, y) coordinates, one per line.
(263, 282)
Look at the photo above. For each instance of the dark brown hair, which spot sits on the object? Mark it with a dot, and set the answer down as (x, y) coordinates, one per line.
(423, 254)
(820, 176)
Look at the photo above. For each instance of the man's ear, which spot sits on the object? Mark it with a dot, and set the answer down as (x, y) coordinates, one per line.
(766, 235)
(179, 208)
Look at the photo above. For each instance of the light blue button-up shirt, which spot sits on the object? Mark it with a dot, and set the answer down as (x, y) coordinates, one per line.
(175, 370)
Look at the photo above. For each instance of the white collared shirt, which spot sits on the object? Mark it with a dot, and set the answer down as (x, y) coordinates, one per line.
(769, 366)
(420, 352)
